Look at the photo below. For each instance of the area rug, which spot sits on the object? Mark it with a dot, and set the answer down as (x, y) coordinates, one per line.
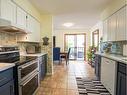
(87, 86)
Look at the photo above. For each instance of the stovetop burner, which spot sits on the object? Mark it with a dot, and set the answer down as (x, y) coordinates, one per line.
(7, 56)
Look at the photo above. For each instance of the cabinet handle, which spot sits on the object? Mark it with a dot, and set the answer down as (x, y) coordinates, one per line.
(11, 89)
(30, 79)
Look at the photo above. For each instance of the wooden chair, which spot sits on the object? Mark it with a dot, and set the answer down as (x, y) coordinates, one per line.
(65, 56)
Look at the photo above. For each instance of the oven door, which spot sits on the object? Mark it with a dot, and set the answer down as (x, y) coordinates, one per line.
(25, 71)
(29, 86)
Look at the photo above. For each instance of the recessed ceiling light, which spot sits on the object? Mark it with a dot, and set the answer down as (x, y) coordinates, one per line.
(68, 24)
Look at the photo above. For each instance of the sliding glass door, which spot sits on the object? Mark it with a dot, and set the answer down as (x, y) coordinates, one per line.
(77, 43)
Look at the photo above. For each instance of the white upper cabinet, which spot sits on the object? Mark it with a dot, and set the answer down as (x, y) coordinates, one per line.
(34, 27)
(30, 23)
(21, 20)
(37, 31)
(105, 27)
(121, 25)
(8, 10)
(114, 27)
(109, 28)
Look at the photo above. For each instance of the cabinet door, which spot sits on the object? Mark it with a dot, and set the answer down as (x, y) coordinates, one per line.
(36, 31)
(8, 10)
(33, 26)
(42, 68)
(7, 89)
(45, 62)
(112, 26)
(30, 28)
(105, 30)
(121, 84)
(21, 18)
(98, 66)
(30, 23)
(121, 25)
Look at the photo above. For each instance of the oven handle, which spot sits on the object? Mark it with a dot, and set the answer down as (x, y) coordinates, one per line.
(30, 63)
(33, 75)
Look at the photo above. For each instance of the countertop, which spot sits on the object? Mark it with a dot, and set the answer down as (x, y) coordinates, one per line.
(4, 66)
(37, 54)
(115, 57)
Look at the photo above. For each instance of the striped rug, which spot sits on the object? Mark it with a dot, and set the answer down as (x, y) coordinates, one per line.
(91, 87)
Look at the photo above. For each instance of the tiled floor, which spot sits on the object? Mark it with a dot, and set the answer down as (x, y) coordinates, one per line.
(63, 81)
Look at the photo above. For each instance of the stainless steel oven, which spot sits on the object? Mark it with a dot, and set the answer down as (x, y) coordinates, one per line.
(28, 77)
(29, 86)
(25, 70)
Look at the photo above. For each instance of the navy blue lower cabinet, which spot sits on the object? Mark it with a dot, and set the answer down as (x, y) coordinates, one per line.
(98, 66)
(121, 84)
(121, 80)
(7, 89)
(43, 66)
(7, 82)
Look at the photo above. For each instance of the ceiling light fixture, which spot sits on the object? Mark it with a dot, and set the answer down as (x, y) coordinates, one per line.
(69, 24)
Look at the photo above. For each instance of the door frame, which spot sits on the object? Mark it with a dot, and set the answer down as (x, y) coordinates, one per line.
(93, 33)
(76, 42)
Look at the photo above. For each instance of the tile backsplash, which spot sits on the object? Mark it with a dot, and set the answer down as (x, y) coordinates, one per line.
(116, 48)
(11, 39)
(23, 45)
(7, 39)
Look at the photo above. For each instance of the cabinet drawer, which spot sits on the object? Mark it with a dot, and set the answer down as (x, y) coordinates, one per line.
(6, 76)
(122, 68)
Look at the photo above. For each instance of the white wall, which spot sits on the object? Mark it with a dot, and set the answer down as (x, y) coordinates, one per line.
(60, 37)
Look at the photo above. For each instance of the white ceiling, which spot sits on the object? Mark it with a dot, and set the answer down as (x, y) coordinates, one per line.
(83, 13)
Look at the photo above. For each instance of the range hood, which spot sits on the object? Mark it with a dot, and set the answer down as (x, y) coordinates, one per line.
(7, 26)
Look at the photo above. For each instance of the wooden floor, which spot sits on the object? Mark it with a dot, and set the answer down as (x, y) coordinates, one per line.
(63, 82)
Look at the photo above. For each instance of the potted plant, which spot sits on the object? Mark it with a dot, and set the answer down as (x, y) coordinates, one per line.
(90, 54)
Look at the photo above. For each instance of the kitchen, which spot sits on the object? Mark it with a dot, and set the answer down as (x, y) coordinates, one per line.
(110, 61)
(25, 59)
(23, 63)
